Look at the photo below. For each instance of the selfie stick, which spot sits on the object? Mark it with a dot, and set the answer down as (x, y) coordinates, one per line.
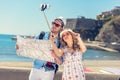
(43, 7)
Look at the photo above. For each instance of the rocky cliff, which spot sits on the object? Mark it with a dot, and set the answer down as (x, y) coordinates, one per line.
(105, 28)
(110, 32)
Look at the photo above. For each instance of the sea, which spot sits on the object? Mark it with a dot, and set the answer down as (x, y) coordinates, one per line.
(8, 52)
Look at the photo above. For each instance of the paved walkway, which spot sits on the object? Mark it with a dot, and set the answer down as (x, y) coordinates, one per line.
(109, 67)
(94, 70)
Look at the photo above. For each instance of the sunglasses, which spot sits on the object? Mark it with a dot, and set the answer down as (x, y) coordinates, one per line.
(57, 25)
(66, 34)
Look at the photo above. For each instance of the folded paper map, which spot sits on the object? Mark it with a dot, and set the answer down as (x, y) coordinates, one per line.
(36, 49)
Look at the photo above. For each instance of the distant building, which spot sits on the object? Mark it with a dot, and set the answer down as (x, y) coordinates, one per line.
(80, 23)
(88, 28)
(71, 23)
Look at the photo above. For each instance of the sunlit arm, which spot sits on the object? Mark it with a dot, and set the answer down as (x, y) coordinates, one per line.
(81, 45)
(57, 59)
(58, 52)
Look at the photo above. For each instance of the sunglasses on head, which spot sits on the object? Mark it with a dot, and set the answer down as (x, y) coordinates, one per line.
(57, 25)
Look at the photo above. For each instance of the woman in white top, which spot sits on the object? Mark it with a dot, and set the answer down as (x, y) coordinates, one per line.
(71, 51)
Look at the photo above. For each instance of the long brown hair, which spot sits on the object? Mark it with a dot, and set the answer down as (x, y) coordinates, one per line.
(75, 42)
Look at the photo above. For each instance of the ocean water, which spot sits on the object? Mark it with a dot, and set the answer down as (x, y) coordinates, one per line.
(8, 52)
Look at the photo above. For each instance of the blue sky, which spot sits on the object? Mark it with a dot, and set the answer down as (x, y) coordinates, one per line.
(25, 17)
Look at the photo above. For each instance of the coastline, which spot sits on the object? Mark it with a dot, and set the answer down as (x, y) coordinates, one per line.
(95, 45)
(23, 69)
